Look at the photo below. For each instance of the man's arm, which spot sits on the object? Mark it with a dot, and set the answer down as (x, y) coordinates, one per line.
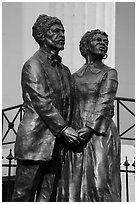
(33, 80)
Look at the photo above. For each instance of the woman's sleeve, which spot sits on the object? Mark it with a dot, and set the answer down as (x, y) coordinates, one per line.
(99, 120)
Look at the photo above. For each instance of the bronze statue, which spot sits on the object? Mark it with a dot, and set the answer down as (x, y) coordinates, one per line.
(45, 128)
(91, 173)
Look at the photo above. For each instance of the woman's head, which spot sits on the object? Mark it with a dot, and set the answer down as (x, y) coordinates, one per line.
(94, 42)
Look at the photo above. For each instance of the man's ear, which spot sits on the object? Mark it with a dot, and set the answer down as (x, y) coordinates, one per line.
(41, 36)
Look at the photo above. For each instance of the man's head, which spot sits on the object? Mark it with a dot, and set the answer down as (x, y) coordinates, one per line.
(50, 31)
(94, 42)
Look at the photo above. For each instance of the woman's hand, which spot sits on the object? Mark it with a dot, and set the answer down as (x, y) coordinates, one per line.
(71, 137)
(85, 135)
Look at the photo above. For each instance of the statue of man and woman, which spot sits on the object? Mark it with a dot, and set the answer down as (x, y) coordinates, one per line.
(67, 145)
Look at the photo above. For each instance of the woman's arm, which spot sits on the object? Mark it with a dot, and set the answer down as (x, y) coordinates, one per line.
(99, 120)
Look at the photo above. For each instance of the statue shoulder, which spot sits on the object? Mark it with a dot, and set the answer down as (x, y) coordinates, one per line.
(66, 68)
(32, 65)
(111, 72)
(80, 72)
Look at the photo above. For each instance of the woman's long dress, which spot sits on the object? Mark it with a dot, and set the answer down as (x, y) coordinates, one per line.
(92, 174)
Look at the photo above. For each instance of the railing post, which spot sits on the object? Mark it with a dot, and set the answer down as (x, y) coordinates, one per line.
(9, 157)
(21, 108)
(134, 166)
(118, 122)
(126, 164)
(134, 163)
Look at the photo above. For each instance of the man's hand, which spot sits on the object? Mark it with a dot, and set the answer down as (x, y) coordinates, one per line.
(71, 136)
(85, 135)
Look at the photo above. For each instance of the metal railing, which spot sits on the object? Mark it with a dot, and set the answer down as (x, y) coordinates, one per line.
(19, 113)
(124, 169)
(20, 109)
(120, 102)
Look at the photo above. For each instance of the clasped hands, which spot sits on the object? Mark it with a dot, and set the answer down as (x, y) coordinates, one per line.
(80, 138)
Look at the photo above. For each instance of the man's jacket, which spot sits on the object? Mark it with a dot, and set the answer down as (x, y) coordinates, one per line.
(46, 88)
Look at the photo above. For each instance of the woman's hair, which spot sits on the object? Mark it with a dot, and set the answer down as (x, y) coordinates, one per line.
(85, 40)
(42, 25)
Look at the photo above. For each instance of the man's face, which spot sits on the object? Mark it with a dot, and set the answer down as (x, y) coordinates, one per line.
(99, 45)
(55, 37)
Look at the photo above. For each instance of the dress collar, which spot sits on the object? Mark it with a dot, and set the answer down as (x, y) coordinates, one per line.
(94, 68)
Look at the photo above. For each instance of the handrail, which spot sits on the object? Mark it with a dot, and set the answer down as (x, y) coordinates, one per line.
(20, 112)
(11, 108)
(119, 99)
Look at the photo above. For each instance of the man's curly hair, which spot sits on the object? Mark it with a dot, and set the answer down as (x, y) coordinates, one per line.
(42, 25)
(85, 41)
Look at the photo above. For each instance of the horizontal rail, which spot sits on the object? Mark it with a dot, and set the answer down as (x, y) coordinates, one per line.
(117, 98)
(127, 138)
(129, 171)
(7, 143)
(7, 165)
(20, 106)
(125, 99)
(11, 108)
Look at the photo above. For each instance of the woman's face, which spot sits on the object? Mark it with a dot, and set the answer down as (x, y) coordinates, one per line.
(98, 45)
